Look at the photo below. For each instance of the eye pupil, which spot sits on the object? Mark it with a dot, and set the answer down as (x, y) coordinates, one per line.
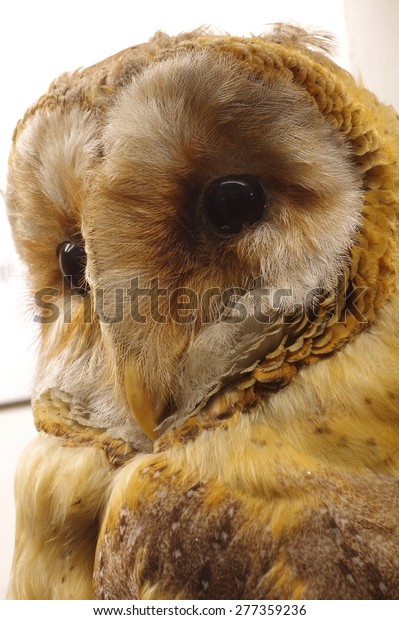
(232, 203)
(72, 260)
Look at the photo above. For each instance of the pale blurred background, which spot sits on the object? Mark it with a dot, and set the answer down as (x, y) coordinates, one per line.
(41, 39)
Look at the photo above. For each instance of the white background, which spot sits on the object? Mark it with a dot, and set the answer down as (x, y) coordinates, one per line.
(40, 39)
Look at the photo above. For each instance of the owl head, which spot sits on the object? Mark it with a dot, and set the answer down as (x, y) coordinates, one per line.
(197, 213)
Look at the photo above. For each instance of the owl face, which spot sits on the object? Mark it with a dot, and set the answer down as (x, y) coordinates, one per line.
(201, 183)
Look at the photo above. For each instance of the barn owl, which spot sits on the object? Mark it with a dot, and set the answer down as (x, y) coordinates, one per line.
(209, 228)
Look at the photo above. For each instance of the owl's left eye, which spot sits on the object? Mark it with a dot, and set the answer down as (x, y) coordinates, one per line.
(233, 203)
(72, 260)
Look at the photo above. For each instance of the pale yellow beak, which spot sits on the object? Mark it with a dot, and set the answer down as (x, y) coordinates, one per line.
(145, 412)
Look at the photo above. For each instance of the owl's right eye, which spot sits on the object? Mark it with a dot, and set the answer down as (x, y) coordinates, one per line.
(72, 260)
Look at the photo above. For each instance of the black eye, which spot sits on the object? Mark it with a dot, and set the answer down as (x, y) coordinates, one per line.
(72, 260)
(232, 203)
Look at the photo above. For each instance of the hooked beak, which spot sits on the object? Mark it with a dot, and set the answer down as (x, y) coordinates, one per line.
(147, 413)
